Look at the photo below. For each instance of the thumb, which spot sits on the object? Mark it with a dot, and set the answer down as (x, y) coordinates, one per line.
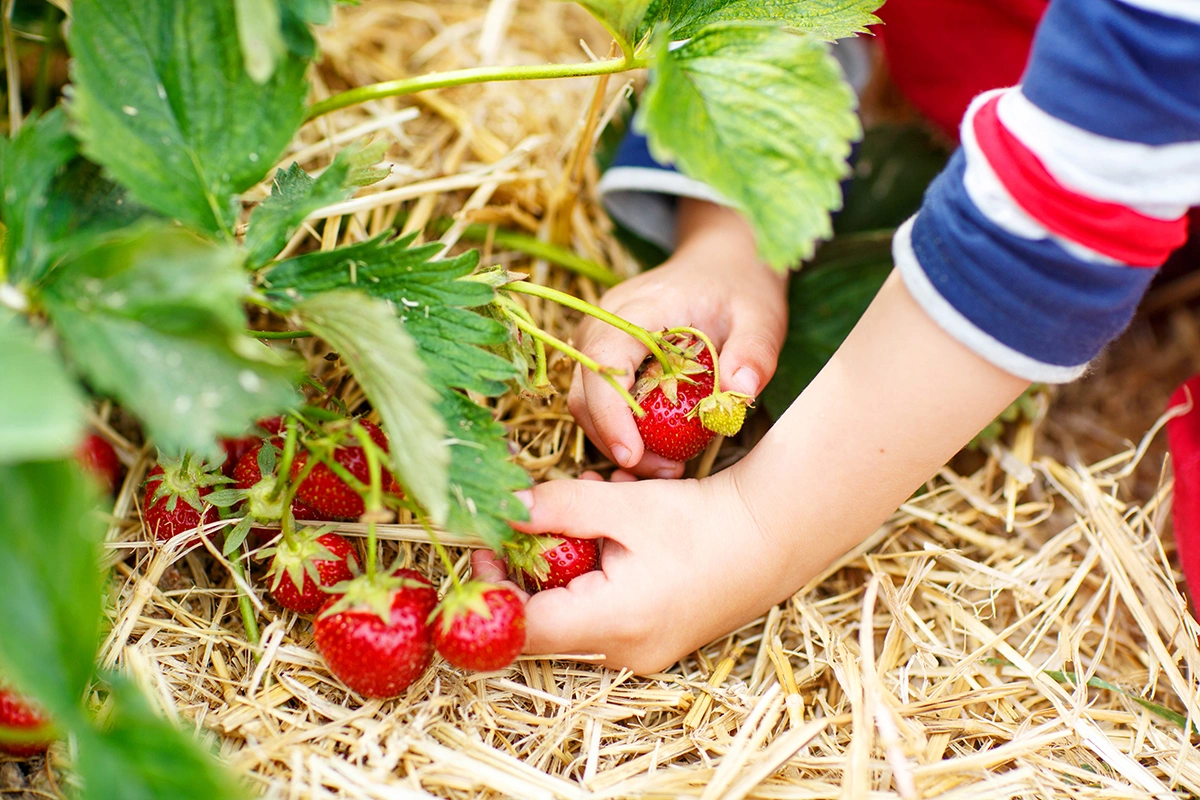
(751, 352)
(576, 619)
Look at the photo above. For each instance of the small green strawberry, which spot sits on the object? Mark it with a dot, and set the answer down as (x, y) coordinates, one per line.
(723, 412)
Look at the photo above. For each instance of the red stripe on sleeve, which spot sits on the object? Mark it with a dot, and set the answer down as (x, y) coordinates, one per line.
(1111, 229)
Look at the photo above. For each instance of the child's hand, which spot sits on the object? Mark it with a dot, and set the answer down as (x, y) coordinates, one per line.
(683, 563)
(713, 282)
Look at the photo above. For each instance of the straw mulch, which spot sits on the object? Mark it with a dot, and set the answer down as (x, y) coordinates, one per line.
(915, 666)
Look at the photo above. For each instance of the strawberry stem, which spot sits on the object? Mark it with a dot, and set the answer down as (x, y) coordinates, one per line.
(712, 351)
(441, 551)
(249, 620)
(285, 463)
(584, 307)
(516, 310)
(604, 372)
(373, 501)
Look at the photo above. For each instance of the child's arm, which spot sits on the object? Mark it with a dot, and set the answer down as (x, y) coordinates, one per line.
(688, 561)
(715, 282)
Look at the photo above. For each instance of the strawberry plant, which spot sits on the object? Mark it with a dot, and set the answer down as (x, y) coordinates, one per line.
(138, 270)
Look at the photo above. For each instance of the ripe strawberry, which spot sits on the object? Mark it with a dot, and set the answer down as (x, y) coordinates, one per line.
(248, 473)
(99, 460)
(18, 713)
(173, 501)
(273, 425)
(480, 627)
(376, 638)
(668, 427)
(306, 564)
(549, 562)
(328, 494)
(234, 450)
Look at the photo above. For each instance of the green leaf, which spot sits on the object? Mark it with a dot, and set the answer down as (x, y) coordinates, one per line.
(764, 117)
(138, 755)
(621, 17)
(482, 474)
(825, 301)
(260, 34)
(41, 408)
(296, 194)
(827, 19)
(161, 99)
(53, 588)
(428, 294)
(28, 165)
(374, 344)
(154, 319)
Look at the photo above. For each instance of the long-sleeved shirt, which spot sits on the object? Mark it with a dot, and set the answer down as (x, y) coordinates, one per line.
(1036, 243)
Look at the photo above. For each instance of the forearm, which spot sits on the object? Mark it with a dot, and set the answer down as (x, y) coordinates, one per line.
(897, 400)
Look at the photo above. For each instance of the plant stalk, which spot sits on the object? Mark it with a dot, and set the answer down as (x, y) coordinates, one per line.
(533, 246)
(584, 307)
(712, 351)
(462, 77)
(249, 620)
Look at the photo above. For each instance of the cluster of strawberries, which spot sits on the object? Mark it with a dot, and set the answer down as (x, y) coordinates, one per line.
(376, 629)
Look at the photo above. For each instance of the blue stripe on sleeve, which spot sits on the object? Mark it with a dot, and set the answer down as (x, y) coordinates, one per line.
(1117, 71)
(1032, 296)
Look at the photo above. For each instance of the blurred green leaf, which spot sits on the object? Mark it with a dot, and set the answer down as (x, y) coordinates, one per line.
(827, 19)
(41, 411)
(138, 755)
(53, 587)
(825, 301)
(161, 98)
(892, 168)
(154, 319)
(28, 165)
(762, 116)
(621, 17)
(482, 473)
(378, 350)
(295, 195)
(425, 292)
(260, 33)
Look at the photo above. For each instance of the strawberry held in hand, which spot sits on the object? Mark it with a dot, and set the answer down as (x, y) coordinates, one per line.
(323, 490)
(669, 428)
(480, 626)
(376, 638)
(550, 562)
(306, 564)
(16, 713)
(175, 489)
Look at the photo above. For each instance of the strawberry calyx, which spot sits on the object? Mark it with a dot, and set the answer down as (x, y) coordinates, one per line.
(526, 553)
(464, 600)
(182, 478)
(683, 361)
(370, 594)
(296, 556)
(723, 412)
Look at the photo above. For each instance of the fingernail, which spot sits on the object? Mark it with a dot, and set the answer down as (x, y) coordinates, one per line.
(526, 497)
(745, 380)
(622, 455)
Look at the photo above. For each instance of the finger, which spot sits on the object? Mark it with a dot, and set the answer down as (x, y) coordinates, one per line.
(612, 421)
(488, 567)
(623, 476)
(751, 352)
(591, 475)
(575, 619)
(586, 509)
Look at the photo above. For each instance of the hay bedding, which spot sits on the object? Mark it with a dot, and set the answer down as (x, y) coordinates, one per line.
(912, 667)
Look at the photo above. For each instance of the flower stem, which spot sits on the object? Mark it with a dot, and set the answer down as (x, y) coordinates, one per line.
(461, 77)
(584, 307)
(589, 363)
(712, 351)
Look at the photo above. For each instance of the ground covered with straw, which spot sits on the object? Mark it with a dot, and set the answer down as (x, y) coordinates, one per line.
(948, 656)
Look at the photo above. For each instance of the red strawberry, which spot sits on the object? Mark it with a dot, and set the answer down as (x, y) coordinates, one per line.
(234, 450)
(667, 429)
(306, 564)
(324, 491)
(549, 562)
(18, 713)
(480, 627)
(99, 460)
(376, 639)
(273, 425)
(173, 501)
(247, 474)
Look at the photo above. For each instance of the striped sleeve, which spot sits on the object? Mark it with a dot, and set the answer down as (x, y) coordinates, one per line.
(640, 193)
(1036, 243)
